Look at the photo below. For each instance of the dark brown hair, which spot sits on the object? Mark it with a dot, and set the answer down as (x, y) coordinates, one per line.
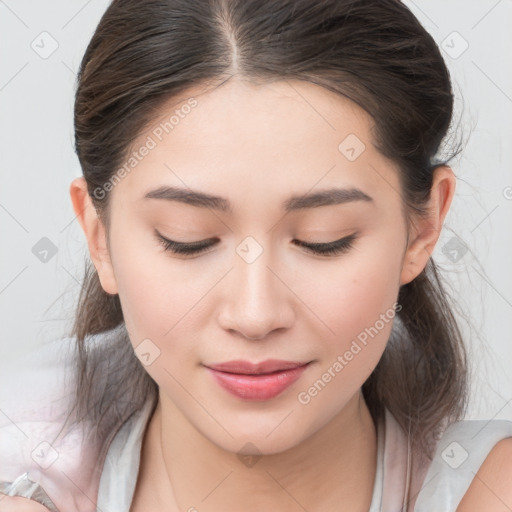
(374, 52)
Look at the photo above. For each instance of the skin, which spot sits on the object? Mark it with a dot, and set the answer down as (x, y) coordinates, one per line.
(18, 504)
(255, 145)
(490, 489)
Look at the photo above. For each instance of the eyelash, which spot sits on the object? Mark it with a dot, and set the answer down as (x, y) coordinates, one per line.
(324, 249)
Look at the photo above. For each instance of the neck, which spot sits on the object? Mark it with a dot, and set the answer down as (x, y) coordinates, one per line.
(335, 466)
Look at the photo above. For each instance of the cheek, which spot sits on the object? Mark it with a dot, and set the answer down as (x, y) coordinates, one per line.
(157, 308)
(358, 303)
(154, 295)
(357, 291)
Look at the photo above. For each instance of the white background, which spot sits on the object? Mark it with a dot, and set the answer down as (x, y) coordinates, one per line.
(38, 164)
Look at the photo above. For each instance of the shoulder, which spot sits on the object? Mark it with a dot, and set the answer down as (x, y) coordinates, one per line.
(491, 488)
(471, 466)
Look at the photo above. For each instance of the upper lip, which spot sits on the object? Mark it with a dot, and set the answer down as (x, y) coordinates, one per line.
(248, 368)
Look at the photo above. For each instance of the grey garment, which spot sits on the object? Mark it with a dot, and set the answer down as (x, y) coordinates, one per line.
(26, 488)
(121, 467)
(376, 504)
(461, 451)
(459, 454)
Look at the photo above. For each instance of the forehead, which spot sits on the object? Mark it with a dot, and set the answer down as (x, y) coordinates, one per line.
(257, 140)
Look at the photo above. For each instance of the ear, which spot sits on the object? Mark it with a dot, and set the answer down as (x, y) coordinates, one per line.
(95, 233)
(426, 231)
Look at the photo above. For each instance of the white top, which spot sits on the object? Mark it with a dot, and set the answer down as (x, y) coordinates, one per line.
(68, 472)
(459, 454)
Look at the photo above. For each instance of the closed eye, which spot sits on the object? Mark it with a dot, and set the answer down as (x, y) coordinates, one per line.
(194, 248)
(329, 248)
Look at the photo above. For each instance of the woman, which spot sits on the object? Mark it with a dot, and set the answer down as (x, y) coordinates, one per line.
(264, 327)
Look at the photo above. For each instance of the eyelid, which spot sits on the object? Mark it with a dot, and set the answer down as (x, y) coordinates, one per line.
(191, 249)
(334, 248)
(184, 248)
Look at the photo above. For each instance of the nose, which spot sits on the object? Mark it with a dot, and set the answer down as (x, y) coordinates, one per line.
(257, 300)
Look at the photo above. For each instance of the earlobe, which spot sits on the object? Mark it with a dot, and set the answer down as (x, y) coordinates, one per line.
(427, 230)
(95, 234)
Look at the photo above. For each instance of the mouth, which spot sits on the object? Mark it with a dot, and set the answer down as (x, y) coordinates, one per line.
(257, 382)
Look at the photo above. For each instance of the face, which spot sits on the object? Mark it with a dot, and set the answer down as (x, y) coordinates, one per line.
(257, 290)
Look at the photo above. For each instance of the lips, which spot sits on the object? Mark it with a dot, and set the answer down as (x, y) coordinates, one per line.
(257, 382)
(247, 368)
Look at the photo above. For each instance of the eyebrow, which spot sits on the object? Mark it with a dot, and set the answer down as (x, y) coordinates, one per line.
(325, 197)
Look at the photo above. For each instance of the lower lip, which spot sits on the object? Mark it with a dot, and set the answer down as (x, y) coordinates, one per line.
(258, 387)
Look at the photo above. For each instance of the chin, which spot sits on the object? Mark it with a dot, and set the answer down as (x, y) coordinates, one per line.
(259, 441)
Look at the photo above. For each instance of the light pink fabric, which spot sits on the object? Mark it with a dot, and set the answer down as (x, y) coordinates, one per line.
(34, 399)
